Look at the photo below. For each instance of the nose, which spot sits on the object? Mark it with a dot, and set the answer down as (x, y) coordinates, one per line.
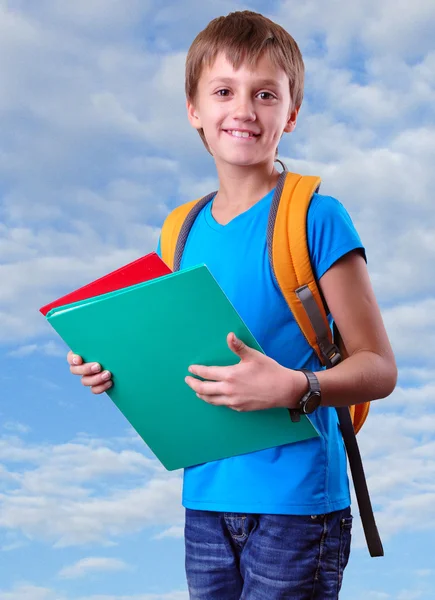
(244, 109)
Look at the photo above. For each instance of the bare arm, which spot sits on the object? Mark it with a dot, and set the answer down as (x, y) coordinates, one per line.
(370, 371)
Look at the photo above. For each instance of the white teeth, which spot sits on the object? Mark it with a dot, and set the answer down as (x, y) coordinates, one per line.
(244, 134)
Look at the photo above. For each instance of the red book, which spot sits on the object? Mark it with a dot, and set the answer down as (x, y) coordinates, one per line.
(143, 269)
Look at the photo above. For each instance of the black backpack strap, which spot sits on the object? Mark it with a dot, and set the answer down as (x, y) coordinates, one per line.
(371, 532)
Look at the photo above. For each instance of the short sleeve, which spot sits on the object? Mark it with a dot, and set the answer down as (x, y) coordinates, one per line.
(331, 233)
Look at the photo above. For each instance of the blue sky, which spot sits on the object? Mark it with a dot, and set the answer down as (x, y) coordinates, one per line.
(95, 149)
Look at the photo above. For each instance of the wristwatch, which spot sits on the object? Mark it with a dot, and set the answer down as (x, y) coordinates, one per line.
(309, 401)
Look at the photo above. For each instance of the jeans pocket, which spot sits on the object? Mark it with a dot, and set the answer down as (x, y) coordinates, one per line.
(345, 540)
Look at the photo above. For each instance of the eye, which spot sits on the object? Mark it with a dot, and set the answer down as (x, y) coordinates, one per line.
(222, 95)
(270, 96)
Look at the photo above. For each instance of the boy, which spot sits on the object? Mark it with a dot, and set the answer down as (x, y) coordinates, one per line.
(276, 523)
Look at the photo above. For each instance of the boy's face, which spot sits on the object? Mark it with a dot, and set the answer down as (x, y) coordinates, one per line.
(230, 102)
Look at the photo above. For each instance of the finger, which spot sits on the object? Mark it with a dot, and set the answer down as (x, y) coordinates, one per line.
(219, 401)
(74, 359)
(238, 347)
(209, 388)
(86, 369)
(99, 389)
(212, 373)
(100, 379)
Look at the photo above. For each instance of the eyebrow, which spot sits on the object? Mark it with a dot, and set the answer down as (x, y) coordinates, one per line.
(260, 82)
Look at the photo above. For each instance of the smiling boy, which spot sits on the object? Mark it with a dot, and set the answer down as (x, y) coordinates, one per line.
(272, 524)
(240, 138)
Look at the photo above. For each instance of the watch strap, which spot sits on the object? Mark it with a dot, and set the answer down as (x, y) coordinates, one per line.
(313, 382)
(313, 386)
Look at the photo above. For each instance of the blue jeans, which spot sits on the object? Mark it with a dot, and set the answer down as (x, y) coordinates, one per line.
(234, 556)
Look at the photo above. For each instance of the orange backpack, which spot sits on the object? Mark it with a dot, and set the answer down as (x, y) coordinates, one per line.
(291, 265)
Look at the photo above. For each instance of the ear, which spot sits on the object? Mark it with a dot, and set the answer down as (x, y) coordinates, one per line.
(291, 122)
(193, 115)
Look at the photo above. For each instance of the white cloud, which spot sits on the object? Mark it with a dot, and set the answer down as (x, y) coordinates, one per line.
(43, 180)
(409, 595)
(11, 541)
(93, 15)
(64, 497)
(12, 546)
(411, 328)
(424, 572)
(93, 564)
(16, 427)
(77, 521)
(411, 398)
(49, 349)
(405, 32)
(12, 449)
(24, 350)
(26, 591)
(415, 374)
(172, 532)
(379, 27)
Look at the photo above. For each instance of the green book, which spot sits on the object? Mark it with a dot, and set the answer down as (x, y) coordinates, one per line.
(147, 336)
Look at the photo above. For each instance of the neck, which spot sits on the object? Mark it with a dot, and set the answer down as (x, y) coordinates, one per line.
(241, 187)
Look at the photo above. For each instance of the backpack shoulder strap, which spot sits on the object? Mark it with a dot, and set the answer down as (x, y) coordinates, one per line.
(290, 261)
(176, 228)
(171, 230)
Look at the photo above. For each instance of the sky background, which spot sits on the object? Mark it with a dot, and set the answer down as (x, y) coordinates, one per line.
(95, 150)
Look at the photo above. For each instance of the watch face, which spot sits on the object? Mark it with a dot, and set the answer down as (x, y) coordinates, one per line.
(312, 402)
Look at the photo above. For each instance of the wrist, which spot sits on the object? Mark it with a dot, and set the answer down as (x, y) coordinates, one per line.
(313, 398)
(299, 386)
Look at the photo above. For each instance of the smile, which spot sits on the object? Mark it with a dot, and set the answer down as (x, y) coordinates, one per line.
(243, 135)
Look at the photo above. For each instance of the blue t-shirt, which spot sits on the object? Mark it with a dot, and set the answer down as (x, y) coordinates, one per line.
(308, 477)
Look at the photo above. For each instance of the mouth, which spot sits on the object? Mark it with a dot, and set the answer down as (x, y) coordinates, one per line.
(241, 134)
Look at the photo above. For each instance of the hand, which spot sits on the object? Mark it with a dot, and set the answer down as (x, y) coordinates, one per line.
(91, 373)
(257, 382)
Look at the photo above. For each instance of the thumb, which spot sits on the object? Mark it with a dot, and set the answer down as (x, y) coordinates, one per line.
(237, 346)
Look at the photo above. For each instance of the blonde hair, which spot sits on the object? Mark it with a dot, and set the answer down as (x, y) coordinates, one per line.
(244, 36)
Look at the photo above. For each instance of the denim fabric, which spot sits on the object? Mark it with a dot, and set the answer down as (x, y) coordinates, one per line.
(235, 556)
